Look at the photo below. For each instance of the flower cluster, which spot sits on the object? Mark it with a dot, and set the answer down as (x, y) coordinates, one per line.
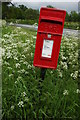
(21, 104)
(65, 92)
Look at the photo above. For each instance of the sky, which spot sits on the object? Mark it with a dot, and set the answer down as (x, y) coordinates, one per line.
(68, 5)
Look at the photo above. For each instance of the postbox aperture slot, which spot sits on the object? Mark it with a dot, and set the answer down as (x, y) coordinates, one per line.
(51, 21)
(52, 18)
(47, 48)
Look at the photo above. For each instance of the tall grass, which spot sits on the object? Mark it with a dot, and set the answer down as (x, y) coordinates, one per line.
(21, 91)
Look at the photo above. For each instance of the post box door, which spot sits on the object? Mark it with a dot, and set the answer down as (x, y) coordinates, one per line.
(42, 57)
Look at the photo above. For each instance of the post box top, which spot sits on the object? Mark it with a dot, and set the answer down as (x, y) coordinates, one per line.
(51, 20)
(52, 14)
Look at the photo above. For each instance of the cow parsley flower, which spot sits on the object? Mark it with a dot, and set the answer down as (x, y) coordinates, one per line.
(65, 65)
(19, 78)
(12, 107)
(60, 74)
(17, 65)
(21, 104)
(74, 75)
(77, 91)
(11, 75)
(29, 66)
(19, 28)
(23, 94)
(65, 92)
(16, 82)
(34, 37)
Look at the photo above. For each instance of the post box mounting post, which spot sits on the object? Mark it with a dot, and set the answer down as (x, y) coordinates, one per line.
(42, 74)
(42, 77)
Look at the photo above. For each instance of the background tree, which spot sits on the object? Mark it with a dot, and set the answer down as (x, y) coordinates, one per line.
(5, 9)
(49, 6)
(32, 14)
(67, 17)
(73, 16)
(22, 7)
(11, 11)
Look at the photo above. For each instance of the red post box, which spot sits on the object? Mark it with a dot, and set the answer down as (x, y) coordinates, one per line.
(49, 34)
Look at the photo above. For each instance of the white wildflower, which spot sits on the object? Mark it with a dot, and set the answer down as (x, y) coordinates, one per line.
(17, 65)
(75, 74)
(6, 35)
(71, 74)
(23, 33)
(19, 78)
(12, 107)
(23, 56)
(35, 24)
(19, 28)
(9, 68)
(21, 104)
(63, 57)
(16, 82)
(15, 58)
(11, 23)
(23, 94)
(77, 91)
(65, 65)
(8, 54)
(2, 51)
(10, 75)
(25, 63)
(29, 66)
(77, 28)
(31, 54)
(70, 62)
(51, 72)
(6, 63)
(60, 74)
(22, 71)
(65, 92)
(34, 37)
(26, 72)
(61, 62)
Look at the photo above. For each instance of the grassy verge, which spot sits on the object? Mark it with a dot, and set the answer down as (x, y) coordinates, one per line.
(19, 21)
(20, 96)
(72, 25)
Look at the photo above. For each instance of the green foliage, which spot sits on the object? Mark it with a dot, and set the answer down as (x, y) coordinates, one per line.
(49, 6)
(22, 12)
(67, 17)
(22, 7)
(72, 25)
(73, 16)
(32, 14)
